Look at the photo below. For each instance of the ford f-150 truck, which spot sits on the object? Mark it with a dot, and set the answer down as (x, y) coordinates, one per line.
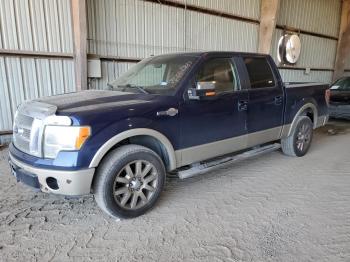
(181, 113)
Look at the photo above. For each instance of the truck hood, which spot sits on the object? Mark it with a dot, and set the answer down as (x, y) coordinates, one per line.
(93, 100)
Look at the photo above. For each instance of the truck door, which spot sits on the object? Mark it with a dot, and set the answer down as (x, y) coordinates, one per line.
(217, 125)
(266, 100)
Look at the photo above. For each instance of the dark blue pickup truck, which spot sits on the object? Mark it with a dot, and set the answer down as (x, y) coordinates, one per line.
(182, 113)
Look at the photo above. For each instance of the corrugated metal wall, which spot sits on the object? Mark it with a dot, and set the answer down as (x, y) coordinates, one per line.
(244, 8)
(316, 16)
(34, 26)
(133, 28)
(137, 29)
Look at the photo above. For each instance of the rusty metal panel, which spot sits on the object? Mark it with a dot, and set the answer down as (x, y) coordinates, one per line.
(245, 8)
(36, 25)
(318, 16)
(29, 78)
(301, 76)
(316, 52)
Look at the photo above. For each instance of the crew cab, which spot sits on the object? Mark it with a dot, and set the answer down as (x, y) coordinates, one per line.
(178, 113)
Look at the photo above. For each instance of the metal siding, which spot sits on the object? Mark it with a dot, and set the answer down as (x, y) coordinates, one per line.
(300, 76)
(36, 25)
(319, 16)
(316, 52)
(5, 106)
(29, 78)
(133, 28)
(245, 8)
(8, 22)
(208, 32)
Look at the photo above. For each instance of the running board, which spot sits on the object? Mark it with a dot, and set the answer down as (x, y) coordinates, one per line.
(201, 168)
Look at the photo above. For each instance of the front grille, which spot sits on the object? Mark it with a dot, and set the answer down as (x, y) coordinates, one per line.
(22, 131)
(29, 125)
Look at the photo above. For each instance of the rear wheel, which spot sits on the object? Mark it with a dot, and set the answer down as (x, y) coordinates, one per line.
(299, 142)
(129, 181)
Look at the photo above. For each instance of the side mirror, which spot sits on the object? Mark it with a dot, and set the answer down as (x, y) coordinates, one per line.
(203, 90)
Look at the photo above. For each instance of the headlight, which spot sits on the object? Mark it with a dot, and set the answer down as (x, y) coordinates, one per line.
(64, 138)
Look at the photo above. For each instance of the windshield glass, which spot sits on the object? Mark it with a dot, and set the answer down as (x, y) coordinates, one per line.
(342, 84)
(154, 75)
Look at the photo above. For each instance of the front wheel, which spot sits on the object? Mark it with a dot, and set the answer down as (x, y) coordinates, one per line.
(299, 142)
(129, 181)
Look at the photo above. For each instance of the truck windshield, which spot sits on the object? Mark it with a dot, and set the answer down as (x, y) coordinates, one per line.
(155, 75)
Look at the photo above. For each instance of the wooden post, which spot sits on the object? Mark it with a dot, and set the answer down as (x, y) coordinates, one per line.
(80, 43)
(343, 50)
(268, 19)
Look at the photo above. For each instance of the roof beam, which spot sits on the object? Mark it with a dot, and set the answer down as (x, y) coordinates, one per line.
(268, 19)
(343, 50)
(80, 43)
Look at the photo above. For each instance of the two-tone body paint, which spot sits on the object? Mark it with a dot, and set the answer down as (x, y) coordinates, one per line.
(198, 123)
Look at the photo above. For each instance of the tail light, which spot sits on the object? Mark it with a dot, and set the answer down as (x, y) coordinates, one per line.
(328, 96)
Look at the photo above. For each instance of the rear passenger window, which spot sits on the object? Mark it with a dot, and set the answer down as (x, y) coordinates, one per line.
(259, 72)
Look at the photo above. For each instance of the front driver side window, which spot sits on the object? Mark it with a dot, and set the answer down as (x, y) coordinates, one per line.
(221, 71)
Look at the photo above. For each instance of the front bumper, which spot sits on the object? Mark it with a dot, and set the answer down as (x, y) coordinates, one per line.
(70, 183)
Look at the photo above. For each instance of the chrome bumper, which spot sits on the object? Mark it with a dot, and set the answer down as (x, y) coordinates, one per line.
(70, 183)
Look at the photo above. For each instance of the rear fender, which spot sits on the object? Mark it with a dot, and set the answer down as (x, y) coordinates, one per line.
(289, 129)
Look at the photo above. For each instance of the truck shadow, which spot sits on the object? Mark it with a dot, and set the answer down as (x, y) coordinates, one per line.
(335, 127)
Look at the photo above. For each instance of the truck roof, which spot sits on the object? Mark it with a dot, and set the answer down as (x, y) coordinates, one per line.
(203, 53)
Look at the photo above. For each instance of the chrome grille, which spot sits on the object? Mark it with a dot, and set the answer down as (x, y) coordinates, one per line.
(22, 131)
(29, 125)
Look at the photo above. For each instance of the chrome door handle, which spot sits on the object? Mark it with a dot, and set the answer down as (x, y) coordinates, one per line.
(170, 112)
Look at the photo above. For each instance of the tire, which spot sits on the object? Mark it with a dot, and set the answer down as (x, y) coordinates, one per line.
(302, 133)
(127, 173)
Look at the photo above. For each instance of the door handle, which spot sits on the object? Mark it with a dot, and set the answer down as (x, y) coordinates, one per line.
(278, 100)
(170, 112)
(242, 105)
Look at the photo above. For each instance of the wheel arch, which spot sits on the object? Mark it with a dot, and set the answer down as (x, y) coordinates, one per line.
(310, 110)
(149, 138)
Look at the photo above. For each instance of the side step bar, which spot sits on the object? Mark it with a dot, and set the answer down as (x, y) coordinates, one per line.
(201, 168)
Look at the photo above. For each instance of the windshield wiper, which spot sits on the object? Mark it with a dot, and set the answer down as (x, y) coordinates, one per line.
(140, 88)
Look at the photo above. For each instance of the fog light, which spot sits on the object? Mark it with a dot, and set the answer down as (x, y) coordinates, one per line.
(52, 183)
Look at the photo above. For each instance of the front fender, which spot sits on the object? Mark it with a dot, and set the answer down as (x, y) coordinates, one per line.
(102, 151)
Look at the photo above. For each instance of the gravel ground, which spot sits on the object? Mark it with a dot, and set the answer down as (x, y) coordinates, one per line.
(272, 208)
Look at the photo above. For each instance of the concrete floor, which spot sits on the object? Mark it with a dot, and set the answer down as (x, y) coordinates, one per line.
(272, 208)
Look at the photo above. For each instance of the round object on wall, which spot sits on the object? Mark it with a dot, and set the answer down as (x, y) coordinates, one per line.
(289, 48)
